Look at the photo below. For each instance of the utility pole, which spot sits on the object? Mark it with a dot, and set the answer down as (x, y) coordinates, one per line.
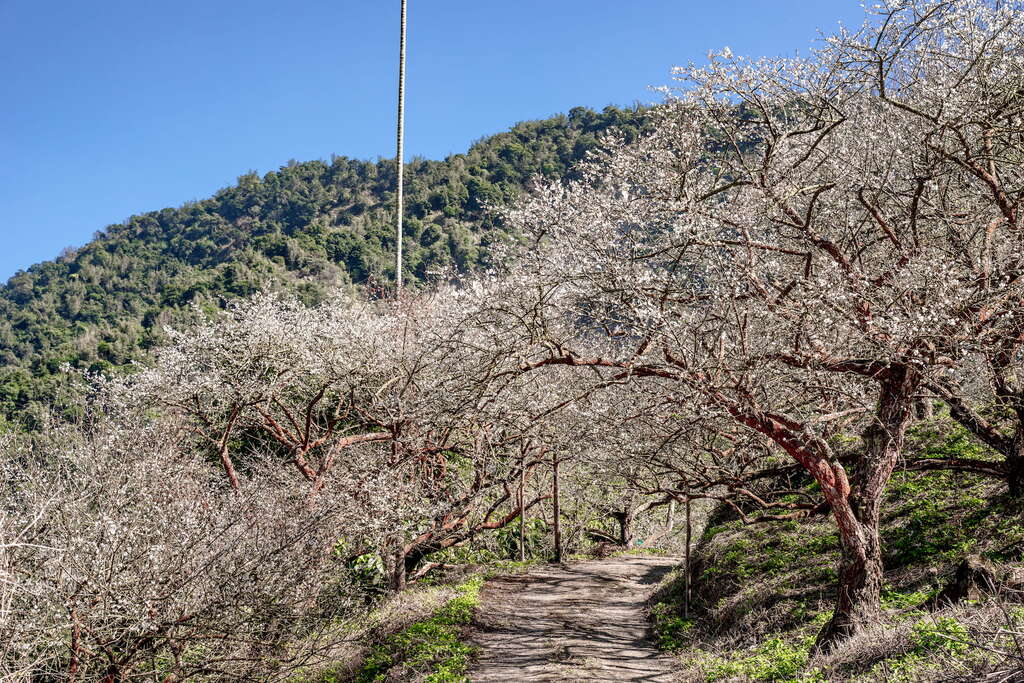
(399, 160)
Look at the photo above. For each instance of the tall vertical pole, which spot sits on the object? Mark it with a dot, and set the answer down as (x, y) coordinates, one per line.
(400, 157)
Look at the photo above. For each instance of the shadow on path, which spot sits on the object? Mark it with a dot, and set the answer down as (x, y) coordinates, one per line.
(584, 622)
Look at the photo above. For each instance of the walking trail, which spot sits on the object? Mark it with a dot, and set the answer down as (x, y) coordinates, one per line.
(584, 622)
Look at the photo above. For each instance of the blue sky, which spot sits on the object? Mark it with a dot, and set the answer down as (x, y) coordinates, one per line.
(114, 108)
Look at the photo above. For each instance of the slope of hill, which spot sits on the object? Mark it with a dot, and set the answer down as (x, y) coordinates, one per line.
(761, 592)
(308, 227)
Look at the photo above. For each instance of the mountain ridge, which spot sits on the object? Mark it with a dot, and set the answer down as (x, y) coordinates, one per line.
(308, 227)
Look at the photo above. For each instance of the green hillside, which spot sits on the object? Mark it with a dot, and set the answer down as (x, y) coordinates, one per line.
(309, 227)
(761, 592)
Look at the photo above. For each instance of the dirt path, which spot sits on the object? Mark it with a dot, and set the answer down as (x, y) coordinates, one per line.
(585, 622)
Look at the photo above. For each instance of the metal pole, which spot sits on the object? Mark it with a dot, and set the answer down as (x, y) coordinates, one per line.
(399, 158)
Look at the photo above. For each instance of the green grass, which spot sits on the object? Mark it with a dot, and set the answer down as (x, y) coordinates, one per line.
(672, 631)
(926, 528)
(432, 649)
(762, 592)
(930, 638)
(776, 659)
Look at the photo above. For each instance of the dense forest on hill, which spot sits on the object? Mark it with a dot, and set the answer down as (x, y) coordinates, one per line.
(308, 228)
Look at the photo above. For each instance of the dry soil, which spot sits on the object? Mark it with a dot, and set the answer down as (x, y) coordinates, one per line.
(584, 622)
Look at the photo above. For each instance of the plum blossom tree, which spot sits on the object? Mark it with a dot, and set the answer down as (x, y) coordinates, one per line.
(800, 249)
(800, 245)
(201, 524)
(18, 655)
(954, 71)
(133, 559)
(385, 392)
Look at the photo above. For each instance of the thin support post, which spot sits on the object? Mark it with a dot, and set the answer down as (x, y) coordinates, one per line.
(689, 572)
(556, 509)
(522, 508)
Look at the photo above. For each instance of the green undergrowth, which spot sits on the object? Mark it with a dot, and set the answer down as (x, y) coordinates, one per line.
(431, 650)
(762, 592)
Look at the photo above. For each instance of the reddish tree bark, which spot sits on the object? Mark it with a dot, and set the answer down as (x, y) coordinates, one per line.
(860, 568)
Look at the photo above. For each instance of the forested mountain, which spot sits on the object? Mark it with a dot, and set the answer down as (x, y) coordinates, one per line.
(309, 227)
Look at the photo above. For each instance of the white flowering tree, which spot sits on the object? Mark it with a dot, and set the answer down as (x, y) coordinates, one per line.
(383, 394)
(952, 71)
(205, 527)
(801, 246)
(131, 558)
(19, 656)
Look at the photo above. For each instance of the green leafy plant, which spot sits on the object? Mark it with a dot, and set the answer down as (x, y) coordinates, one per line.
(432, 648)
(944, 634)
(775, 659)
(672, 630)
(894, 599)
(507, 538)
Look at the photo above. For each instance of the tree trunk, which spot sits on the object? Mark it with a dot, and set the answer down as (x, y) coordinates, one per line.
(1015, 459)
(974, 578)
(398, 568)
(923, 408)
(860, 567)
(689, 565)
(860, 584)
(1011, 394)
(625, 520)
(76, 647)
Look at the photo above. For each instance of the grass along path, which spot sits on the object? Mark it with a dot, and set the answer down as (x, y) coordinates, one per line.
(431, 650)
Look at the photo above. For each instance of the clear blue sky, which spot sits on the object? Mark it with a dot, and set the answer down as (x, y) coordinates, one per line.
(113, 108)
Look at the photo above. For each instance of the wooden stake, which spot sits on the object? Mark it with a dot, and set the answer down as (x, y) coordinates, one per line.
(556, 513)
(522, 508)
(689, 575)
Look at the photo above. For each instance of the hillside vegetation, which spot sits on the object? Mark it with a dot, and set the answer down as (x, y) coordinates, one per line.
(307, 228)
(795, 302)
(761, 592)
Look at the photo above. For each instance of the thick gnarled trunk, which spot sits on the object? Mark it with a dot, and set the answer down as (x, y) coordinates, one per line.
(625, 518)
(399, 568)
(858, 603)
